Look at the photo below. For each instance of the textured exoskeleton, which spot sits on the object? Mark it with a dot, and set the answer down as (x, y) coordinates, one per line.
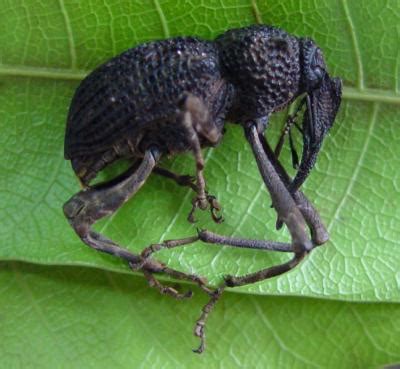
(176, 95)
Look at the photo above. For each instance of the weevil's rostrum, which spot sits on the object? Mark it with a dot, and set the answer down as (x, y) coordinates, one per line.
(172, 96)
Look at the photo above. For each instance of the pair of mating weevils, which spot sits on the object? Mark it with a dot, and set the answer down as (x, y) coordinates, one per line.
(172, 96)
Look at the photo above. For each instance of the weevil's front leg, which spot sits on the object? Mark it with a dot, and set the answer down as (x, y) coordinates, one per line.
(287, 211)
(194, 113)
(203, 200)
(319, 234)
(89, 205)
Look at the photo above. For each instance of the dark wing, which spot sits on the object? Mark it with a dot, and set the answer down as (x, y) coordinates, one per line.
(141, 85)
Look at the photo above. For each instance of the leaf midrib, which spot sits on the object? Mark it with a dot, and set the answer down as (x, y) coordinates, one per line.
(349, 93)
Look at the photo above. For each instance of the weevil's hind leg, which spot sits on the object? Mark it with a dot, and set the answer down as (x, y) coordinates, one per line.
(199, 328)
(194, 114)
(319, 234)
(89, 205)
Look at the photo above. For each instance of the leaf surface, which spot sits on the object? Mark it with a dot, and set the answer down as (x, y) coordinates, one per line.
(81, 317)
(47, 47)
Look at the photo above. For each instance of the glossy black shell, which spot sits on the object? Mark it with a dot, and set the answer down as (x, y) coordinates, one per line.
(132, 100)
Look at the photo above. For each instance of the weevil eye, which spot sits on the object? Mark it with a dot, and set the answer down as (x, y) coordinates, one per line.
(318, 73)
(313, 65)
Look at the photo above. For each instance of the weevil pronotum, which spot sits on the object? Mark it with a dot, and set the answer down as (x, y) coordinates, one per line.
(171, 96)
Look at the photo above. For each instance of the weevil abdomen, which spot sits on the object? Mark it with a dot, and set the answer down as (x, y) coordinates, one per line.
(132, 101)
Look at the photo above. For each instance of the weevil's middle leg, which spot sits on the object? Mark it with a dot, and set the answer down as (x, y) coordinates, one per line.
(190, 181)
(203, 200)
(194, 114)
(89, 205)
(181, 180)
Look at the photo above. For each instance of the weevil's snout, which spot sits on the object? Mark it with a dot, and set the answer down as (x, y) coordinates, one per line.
(325, 102)
(336, 91)
(322, 106)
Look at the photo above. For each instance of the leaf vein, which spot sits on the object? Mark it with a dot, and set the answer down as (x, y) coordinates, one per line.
(145, 328)
(367, 333)
(36, 306)
(278, 339)
(349, 93)
(163, 20)
(256, 12)
(71, 41)
(249, 208)
(356, 172)
(354, 39)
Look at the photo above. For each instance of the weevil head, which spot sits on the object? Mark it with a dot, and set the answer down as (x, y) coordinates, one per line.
(323, 97)
(313, 67)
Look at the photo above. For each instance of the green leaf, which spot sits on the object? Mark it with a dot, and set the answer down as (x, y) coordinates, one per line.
(84, 318)
(47, 47)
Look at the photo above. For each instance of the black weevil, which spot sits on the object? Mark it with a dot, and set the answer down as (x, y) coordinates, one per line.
(171, 96)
